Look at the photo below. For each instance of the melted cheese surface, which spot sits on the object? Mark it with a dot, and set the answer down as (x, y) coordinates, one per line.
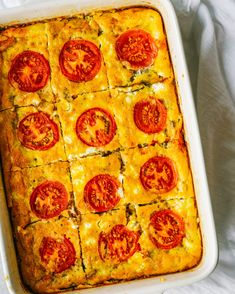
(31, 37)
(116, 88)
(135, 158)
(115, 23)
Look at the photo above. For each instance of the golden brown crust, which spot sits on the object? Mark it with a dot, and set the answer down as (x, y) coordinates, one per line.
(6, 42)
(86, 168)
(135, 158)
(37, 275)
(61, 31)
(32, 37)
(113, 24)
(116, 88)
(148, 260)
(69, 113)
(99, 271)
(184, 256)
(126, 98)
(14, 154)
(23, 182)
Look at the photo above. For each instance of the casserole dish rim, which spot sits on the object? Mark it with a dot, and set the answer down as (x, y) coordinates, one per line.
(49, 9)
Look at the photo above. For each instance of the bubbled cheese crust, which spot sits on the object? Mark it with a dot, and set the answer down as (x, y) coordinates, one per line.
(116, 89)
(126, 98)
(22, 183)
(85, 169)
(14, 153)
(61, 31)
(69, 112)
(115, 23)
(32, 37)
(187, 254)
(39, 276)
(97, 270)
(135, 158)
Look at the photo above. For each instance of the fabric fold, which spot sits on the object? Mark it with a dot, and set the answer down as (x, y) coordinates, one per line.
(208, 52)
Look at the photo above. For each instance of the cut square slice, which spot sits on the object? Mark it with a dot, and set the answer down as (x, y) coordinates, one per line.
(37, 193)
(134, 46)
(153, 173)
(88, 125)
(76, 61)
(97, 183)
(50, 256)
(31, 136)
(146, 115)
(170, 239)
(25, 70)
(110, 247)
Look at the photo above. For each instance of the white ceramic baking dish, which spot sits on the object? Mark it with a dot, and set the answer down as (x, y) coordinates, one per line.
(48, 9)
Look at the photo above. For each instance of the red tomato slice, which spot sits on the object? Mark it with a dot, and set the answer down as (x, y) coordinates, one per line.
(37, 131)
(166, 229)
(119, 244)
(29, 71)
(49, 199)
(136, 47)
(150, 116)
(159, 174)
(80, 60)
(96, 127)
(101, 193)
(57, 255)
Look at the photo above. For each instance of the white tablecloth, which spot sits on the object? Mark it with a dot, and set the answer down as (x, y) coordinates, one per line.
(208, 29)
(209, 37)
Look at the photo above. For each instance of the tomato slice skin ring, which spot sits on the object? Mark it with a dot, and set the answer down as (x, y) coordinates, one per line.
(89, 119)
(150, 116)
(159, 175)
(29, 71)
(49, 199)
(38, 125)
(101, 193)
(65, 253)
(80, 60)
(136, 47)
(166, 229)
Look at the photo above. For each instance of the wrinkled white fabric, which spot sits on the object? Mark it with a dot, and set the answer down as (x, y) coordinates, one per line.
(208, 29)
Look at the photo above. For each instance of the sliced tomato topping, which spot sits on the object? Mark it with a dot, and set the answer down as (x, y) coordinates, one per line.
(37, 131)
(101, 193)
(80, 60)
(136, 47)
(29, 71)
(96, 127)
(150, 116)
(159, 174)
(166, 229)
(49, 199)
(57, 254)
(119, 244)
